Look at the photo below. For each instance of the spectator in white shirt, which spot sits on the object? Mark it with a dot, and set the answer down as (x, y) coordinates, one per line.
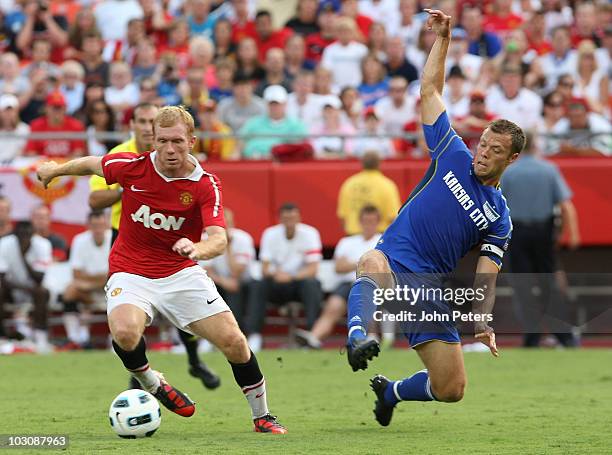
(12, 147)
(72, 87)
(89, 263)
(302, 103)
(561, 60)
(458, 55)
(122, 94)
(346, 256)
(231, 271)
(290, 253)
(112, 17)
(24, 258)
(511, 101)
(343, 58)
(396, 109)
(373, 141)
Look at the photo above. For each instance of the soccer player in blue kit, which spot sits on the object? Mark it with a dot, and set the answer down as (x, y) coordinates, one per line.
(457, 206)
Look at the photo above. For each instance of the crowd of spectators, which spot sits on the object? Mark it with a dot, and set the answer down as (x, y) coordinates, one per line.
(328, 75)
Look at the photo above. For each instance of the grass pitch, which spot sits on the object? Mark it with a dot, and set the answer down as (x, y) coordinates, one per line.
(525, 402)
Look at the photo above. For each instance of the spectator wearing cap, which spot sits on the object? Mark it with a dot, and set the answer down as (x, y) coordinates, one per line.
(511, 101)
(261, 133)
(13, 146)
(213, 148)
(592, 82)
(375, 84)
(587, 133)
(485, 44)
(265, 36)
(368, 187)
(332, 131)
(290, 254)
(561, 60)
(396, 109)
(243, 105)
(302, 103)
(72, 86)
(343, 58)
(275, 74)
(406, 25)
(473, 123)
(56, 120)
(456, 96)
(373, 137)
(458, 55)
(305, 20)
(317, 42)
(397, 64)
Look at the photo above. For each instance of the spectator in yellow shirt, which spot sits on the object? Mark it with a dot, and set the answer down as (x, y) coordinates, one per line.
(368, 187)
(215, 148)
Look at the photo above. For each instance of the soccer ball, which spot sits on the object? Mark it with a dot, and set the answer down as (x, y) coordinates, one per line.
(134, 414)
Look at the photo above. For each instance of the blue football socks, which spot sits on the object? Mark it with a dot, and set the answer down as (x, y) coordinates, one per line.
(415, 388)
(360, 307)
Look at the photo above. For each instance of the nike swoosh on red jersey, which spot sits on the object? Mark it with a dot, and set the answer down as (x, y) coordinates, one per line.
(133, 188)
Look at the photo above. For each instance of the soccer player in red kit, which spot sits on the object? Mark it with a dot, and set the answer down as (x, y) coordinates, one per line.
(168, 200)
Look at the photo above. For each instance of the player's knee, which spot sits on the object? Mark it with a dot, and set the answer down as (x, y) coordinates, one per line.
(235, 347)
(451, 392)
(127, 336)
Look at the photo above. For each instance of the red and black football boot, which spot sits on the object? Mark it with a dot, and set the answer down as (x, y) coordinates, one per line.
(268, 424)
(173, 399)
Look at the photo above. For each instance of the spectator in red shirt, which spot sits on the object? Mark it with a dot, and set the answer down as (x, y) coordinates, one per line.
(317, 42)
(56, 120)
(156, 21)
(266, 37)
(178, 43)
(585, 27)
(242, 25)
(350, 8)
(470, 127)
(535, 30)
(502, 19)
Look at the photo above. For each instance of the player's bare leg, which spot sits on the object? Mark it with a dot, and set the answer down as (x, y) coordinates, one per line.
(127, 323)
(333, 311)
(373, 272)
(222, 330)
(443, 379)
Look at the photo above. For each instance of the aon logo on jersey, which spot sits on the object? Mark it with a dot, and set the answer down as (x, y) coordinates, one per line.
(156, 220)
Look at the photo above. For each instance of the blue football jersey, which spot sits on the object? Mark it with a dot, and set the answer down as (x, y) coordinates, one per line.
(449, 211)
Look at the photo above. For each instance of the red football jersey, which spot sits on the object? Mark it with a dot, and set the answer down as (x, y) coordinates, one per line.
(157, 211)
(55, 148)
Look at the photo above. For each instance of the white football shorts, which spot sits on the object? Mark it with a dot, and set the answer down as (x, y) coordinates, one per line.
(185, 297)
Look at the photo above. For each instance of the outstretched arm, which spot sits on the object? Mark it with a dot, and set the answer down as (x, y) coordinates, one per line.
(88, 165)
(432, 81)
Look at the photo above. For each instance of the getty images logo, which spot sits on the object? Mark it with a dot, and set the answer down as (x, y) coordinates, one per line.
(156, 220)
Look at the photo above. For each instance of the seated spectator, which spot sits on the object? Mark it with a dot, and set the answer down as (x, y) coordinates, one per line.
(225, 70)
(96, 69)
(41, 223)
(169, 78)
(55, 119)
(561, 60)
(375, 84)
(516, 53)
(126, 49)
(290, 253)
(302, 103)
(510, 100)
(304, 22)
(112, 17)
(332, 130)
(11, 79)
(213, 148)
(295, 57)
(417, 55)
(24, 258)
(89, 263)
(586, 27)
(41, 59)
(317, 42)
(346, 256)
(381, 11)
(93, 92)
(377, 42)
(201, 55)
(145, 62)
(502, 19)
(397, 109)
(471, 125)
(592, 82)
(178, 44)
(231, 271)
(12, 147)
(156, 19)
(368, 187)
(350, 9)
(458, 56)
(122, 94)
(407, 25)
(266, 37)
(553, 112)
(41, 25)
(263, 132)
(243, 25)
(456, 96)
(6, 224)
(587, 133)
(247, 60)
(485, 44)
(72, 86)
(85, 22)
(352, 106)
(397, 64)
(243, 105)
(343, 57)
(34, 100)
(565, 87)
(373, 139)
(535, 31)
(199, 19)
(323, 81)
(100, 119)
(225, 48)
(194, 93)
(274, 68)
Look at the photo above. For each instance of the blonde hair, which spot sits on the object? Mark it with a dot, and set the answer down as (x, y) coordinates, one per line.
(169, 116)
